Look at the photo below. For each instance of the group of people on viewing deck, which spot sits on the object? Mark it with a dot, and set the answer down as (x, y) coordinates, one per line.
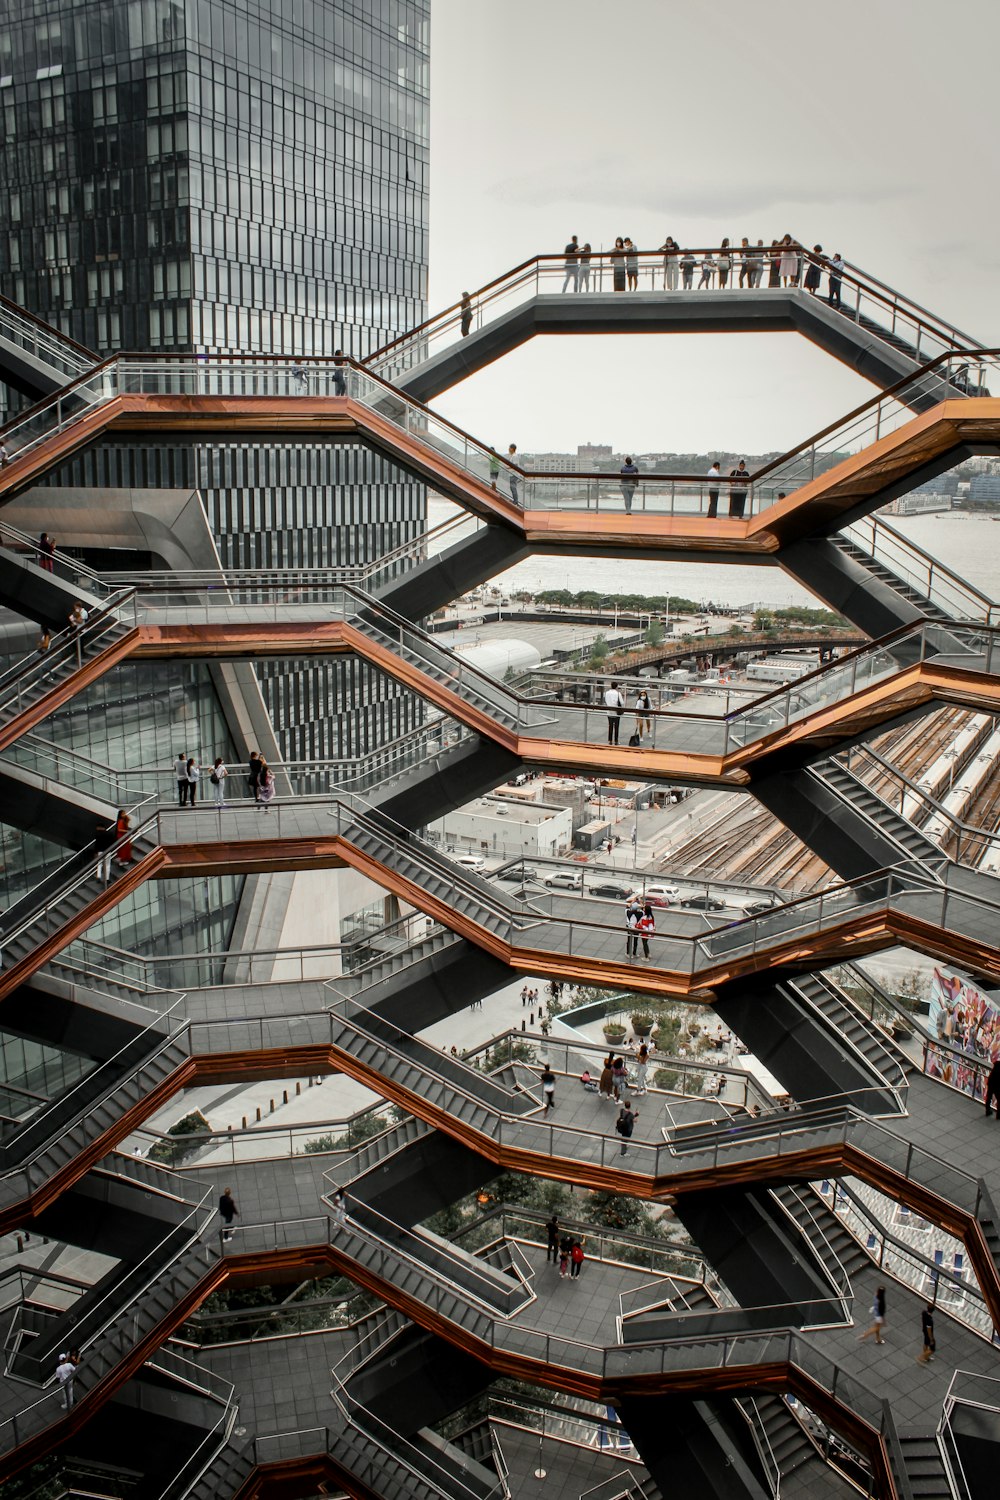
(785, 262)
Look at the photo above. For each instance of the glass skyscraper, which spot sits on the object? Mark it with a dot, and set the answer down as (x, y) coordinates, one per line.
(233, 177)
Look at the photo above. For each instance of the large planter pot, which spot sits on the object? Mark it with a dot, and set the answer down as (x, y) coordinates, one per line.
(614, 1035)
(642, 1026)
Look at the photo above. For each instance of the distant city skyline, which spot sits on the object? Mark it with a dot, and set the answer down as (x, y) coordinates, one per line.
(561, 118)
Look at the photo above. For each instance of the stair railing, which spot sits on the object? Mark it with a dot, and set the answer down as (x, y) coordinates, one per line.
(43, 339)
(861, 295)
(954, 595)
(758, 1432)
(975, 843)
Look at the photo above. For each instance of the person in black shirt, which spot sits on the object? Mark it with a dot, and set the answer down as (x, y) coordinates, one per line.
(466, 310)
(993, 1088)
(548, 1087)
(738, 489)
(572, 254)
(552, 1229)
(253, 775)
(927, 1328)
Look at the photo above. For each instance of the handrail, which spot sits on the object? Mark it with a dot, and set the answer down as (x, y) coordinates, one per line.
(125, 365)
(49, 330)
(179, 580)
(935, 565)
(758, 1432)
(959, 828)
(75, 564)
(86, 1085)
(76, 877)
(937, 1273)
(852, 275)
(889, 393)
(68, 647)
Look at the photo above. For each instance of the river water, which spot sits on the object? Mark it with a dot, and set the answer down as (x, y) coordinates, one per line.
(966, 543)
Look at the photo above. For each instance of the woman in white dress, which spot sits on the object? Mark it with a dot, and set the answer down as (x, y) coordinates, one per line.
(788, 265)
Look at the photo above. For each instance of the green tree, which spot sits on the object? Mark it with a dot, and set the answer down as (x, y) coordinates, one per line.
(656, 633)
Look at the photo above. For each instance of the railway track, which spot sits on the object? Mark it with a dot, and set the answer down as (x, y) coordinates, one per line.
(740, 840)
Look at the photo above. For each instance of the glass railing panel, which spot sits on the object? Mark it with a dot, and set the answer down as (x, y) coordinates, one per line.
(61, 411)
(860, 297)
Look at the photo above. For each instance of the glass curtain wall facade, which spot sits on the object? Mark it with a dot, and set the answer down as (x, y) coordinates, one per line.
(230, 176)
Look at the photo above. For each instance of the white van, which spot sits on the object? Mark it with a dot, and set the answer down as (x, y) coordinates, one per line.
(661, 891)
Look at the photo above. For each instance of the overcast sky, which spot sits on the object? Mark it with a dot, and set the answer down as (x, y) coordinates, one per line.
(867, 126)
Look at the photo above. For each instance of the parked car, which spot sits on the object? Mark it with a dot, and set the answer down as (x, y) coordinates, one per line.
(704, 903)
(471, 861)
(610, 888)
(567, 880)
(518, 873)
(660, 892)
(757, 908)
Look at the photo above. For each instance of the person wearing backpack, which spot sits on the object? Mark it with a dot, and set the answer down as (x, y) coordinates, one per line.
(625, 1124)
(217, 777)
(576, 1257)
(614, 703)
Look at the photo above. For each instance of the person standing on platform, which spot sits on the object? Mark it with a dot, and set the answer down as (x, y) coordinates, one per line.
(218, 779)
(583, 278)
(606, 1084)
(193, 777)
(671, 263)
(628, 482)
(552, 1231)
(339, 373)
(631, 265)
(714, 477)
(181, 772)
(646, 927)
(625, 1124)
(576, 1259)
(565, 1246)
(465, 308)
(614, 702)
(643, 721)
(740, 483)
(572, 254)
(253, 774)
(618, 266)
(265, 788)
